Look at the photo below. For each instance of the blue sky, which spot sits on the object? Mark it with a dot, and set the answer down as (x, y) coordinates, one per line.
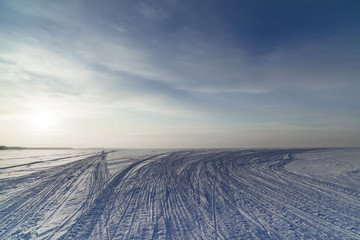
(180, 73)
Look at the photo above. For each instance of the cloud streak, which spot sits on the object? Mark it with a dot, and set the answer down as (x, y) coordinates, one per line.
(182, 63)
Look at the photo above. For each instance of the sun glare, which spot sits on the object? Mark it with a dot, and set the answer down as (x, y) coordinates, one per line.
(43, 121)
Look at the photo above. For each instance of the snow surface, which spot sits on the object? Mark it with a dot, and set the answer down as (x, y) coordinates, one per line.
(340, 166)
(183, 194)
(21, 162)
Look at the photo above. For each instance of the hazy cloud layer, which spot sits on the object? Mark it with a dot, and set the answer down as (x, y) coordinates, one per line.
(162, 67)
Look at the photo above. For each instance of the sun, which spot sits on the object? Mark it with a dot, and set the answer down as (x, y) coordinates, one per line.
(43, 121)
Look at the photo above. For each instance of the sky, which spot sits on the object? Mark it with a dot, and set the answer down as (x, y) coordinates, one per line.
(180, 74)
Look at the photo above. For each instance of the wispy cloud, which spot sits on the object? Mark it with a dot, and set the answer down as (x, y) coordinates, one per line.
(187, 63)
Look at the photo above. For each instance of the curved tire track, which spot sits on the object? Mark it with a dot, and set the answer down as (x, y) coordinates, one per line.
(202, 194)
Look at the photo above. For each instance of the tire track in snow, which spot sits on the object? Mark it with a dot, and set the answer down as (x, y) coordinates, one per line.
(192, 186)
(86, 223)
(195, 194)
(51, 191)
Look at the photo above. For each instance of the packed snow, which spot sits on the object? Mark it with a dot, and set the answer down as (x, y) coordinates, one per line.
(180, 194)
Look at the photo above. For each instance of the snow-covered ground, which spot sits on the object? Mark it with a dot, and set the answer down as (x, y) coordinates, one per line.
(22, 162)
(183, 194)
(340, 166)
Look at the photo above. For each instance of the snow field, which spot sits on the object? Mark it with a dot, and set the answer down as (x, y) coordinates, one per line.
(187, 194)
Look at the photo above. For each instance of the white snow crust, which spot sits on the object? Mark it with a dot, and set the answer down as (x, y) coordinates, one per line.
(180, 194)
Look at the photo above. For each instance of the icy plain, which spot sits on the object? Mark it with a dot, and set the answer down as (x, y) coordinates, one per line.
(182, 194)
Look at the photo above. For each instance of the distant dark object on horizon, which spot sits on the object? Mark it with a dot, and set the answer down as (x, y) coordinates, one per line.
(26, 148)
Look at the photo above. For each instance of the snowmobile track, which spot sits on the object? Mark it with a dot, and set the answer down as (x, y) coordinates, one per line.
(189, 194)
